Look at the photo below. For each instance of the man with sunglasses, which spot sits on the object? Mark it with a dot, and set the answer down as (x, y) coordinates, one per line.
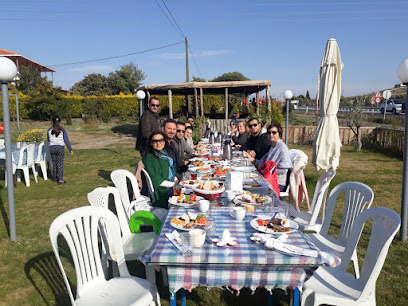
(190, 120)
(148, 123)
(184, 150)
(170, 130)
(258, 144)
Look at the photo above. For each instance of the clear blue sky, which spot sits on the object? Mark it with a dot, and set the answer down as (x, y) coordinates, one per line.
(282, 41)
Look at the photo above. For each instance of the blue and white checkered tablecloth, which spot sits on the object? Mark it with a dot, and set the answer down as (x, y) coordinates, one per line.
(15, 151)
(244, 265)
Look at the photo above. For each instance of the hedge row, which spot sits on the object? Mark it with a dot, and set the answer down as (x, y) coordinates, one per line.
(42, 106)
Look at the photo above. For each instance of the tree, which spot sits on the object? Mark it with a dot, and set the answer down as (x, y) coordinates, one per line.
(29, 79)
(128, 78)
(94, 84)
(355, 119)
(230, 76)
(197, 79)
(307, 95)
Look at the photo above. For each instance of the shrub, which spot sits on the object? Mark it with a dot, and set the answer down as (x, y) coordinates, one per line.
(35, 135)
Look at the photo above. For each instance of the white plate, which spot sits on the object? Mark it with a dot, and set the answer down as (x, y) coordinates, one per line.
(244, 168)
(173, 201)
(187, 183)
(261, 186)
(239, 199)
(294, 227)
(180, 227)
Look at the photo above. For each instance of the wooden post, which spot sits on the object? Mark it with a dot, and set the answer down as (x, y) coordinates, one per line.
(257, 103)
(226, 102)
(170, 105)
(268, 98)
(201, 102)
(196, 101)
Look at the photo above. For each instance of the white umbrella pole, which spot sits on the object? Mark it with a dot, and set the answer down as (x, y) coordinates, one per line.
(404, 202)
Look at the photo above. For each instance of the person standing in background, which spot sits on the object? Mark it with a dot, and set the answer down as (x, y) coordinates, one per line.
(57, 138)
(148, 124)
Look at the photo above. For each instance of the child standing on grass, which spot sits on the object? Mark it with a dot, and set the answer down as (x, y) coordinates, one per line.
(57, 137)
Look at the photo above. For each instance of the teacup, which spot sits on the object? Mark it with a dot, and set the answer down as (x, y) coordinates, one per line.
(230, 195)
(203, 205)
(198, 237)
(238, 213)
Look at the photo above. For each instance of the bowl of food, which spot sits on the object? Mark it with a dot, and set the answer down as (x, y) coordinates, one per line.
(209, 190)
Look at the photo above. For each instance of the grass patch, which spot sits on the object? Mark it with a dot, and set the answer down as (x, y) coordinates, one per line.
(29, 272)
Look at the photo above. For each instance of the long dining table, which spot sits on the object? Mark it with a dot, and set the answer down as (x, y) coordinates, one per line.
(247, 264)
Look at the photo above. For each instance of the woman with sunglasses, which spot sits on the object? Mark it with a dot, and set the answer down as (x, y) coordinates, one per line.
(160, 167)
(279, 153)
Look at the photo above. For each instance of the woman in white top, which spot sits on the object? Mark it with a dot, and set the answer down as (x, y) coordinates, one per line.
(58, 138)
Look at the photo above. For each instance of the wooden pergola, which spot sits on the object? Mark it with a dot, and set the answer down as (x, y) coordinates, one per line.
(210, 88)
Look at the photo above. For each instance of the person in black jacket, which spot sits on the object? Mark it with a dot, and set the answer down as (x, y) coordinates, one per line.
(258, 144)
(240, 136)
(169, 129)
(148, 123)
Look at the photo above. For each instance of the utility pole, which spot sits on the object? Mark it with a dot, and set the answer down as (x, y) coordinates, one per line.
(187, 76)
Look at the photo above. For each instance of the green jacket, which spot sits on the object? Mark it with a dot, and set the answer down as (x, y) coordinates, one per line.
(158, 170)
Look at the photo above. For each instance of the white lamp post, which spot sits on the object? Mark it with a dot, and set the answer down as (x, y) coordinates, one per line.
(402, 74)
(140, 94)
(287, 95)
(8, 71)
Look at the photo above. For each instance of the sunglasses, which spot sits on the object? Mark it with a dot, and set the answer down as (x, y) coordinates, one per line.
(272, 132)
(251, 125)
(190, 120)
(181, 131)
(155, 105)
(157, 141)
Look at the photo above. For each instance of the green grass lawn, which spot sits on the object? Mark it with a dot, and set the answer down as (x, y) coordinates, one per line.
(28, 271)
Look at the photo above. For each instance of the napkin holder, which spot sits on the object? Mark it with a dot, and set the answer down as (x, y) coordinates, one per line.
(234, 181)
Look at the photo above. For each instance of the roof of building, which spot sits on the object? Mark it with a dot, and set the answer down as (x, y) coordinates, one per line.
(21, 60)
(244, 87)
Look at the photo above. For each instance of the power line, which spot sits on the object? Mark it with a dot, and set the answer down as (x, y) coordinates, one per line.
(173, 18)
(117, 56)
(199, 72)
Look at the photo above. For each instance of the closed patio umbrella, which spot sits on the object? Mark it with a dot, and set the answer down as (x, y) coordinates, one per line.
(326, 145)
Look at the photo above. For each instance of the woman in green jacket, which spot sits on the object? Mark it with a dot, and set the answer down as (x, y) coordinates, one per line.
(160, 167)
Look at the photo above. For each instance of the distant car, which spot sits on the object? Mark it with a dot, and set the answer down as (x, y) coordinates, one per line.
(396, 106)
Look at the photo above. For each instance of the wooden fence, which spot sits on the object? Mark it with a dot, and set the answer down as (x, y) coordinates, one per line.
(297, 134)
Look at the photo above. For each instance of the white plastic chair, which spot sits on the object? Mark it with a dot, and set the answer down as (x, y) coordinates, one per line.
(80, 229)
(25, 167)
(134, 245)
(335, 286)
(308, 220)
(150, 187)
(41, 160)
(120, 178)
(358, 197)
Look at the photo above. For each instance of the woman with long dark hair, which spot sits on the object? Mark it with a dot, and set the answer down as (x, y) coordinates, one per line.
(161, 168)
(57, 139)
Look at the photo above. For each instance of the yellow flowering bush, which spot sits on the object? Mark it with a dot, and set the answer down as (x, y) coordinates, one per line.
(35, 135)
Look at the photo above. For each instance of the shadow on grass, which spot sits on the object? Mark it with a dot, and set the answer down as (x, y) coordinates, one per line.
(44, 270)
(4, 214)
(128, 129)
(104, 174)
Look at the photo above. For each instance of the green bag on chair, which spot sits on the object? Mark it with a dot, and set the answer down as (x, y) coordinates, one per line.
(142, 217)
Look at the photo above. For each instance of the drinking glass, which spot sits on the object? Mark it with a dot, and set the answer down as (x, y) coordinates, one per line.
(186, 244)
(210, 228)
(177, 190)
(193, 176)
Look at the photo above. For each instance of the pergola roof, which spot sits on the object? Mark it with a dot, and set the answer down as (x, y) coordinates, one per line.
(21, 60)
(244, 87)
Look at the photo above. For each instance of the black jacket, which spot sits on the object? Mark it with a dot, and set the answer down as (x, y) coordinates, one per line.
(241, 139)
(260, 144)
(148, 123)
(173, 153)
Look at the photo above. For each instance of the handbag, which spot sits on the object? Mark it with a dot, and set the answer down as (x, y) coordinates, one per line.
(270, 173)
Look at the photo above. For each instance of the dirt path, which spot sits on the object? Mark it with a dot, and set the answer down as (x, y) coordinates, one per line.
(98, 140)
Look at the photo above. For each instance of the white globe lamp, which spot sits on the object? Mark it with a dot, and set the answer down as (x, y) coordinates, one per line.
(140, 95)
(287, 95)
(8, 70)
